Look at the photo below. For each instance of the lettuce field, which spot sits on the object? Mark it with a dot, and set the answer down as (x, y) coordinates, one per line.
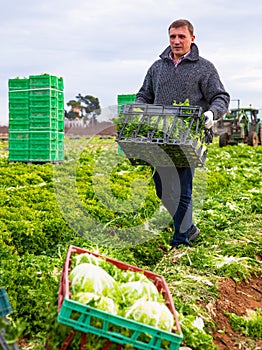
(98, 201)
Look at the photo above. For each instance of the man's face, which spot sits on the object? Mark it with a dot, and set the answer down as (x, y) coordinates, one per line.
(180, 41)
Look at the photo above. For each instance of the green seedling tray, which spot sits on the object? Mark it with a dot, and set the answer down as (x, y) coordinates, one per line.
(163, 135)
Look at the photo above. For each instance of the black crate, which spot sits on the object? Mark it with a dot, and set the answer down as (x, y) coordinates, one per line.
(163, 135)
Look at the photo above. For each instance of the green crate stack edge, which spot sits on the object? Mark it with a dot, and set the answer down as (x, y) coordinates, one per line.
(36, 118)
(122, 100)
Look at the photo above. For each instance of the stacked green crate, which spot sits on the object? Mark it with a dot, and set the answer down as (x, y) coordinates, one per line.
(122, 100)
(60, 120)
(46, 119)
(36, 118)
(18, 134)
(60, 146)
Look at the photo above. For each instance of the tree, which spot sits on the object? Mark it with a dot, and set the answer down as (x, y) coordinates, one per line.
(87, 107)
(75, 111)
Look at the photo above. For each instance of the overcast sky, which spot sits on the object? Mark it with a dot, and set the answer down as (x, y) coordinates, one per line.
(104, 47)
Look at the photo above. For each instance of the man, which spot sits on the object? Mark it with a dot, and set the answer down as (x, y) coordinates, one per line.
(182, 74)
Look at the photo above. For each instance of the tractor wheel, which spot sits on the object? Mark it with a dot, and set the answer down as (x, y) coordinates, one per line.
(253, 139)
(223, 139)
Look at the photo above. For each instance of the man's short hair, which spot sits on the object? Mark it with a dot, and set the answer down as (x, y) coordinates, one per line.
(182, 23)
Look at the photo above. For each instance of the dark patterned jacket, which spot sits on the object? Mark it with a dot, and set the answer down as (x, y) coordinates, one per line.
(194, 78)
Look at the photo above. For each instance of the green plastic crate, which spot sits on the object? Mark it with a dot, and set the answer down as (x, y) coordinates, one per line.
(60, 136)
(5, 306)
(43, 145)
(86, 319)
(43, 81)
(42, 123)
(18, 113)
(17, 95)
(43, 135)
(117, 329)
(18, 135)
(124, 99)
(61, 114)
(60, 146)
(43, 101)
(44, 93)
(60, 126)
(60, 154)
(60, 83)
(43, 111)
(127, 98)
(18, 124)
(18, 139)
(18, 154)
(42, 155)
(18, 84)
(60, 105)
(18, 103)
(60, 96)
(18, 144)
(119, 150)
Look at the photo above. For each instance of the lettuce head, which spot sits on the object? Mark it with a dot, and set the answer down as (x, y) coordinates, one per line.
(98, 301)
(87, 277)
(134, 290)
(152, 313)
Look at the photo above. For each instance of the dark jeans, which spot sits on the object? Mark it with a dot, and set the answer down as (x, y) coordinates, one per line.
(174, 188)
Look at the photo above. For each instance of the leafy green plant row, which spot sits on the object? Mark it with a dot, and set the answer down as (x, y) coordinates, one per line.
(36, 232)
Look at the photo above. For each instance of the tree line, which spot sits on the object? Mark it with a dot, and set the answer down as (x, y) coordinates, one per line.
(84, 107)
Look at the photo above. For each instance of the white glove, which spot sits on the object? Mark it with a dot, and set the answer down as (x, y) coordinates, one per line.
(209, 119)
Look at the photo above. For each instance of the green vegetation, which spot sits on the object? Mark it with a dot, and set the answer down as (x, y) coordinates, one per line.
(250, 325)
(98, 201)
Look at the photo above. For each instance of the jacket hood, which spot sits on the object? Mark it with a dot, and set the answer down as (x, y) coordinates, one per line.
(193, 56)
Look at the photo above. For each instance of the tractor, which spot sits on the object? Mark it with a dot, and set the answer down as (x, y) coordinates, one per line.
(240, 125)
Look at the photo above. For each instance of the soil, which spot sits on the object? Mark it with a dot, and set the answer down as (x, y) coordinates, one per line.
(235, 298)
